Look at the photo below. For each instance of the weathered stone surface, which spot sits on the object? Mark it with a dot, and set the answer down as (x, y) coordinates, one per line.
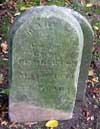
(46, 51)
(86, 56)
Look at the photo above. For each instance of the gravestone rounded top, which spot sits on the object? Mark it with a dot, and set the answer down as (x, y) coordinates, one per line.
(46, 52)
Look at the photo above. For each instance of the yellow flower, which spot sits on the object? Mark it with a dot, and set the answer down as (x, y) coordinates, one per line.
(52, 124)
(90, 72)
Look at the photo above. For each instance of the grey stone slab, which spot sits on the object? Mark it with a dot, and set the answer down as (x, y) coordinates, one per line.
(46, 47)
(86, 56)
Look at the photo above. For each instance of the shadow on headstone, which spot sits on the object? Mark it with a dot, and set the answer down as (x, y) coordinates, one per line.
(86, 58)
(47, 69)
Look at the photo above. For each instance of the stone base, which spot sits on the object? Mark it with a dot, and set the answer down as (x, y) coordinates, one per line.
(23, 112)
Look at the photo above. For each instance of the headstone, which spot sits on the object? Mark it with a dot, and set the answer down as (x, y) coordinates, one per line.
(46, 47)
(86, 56)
